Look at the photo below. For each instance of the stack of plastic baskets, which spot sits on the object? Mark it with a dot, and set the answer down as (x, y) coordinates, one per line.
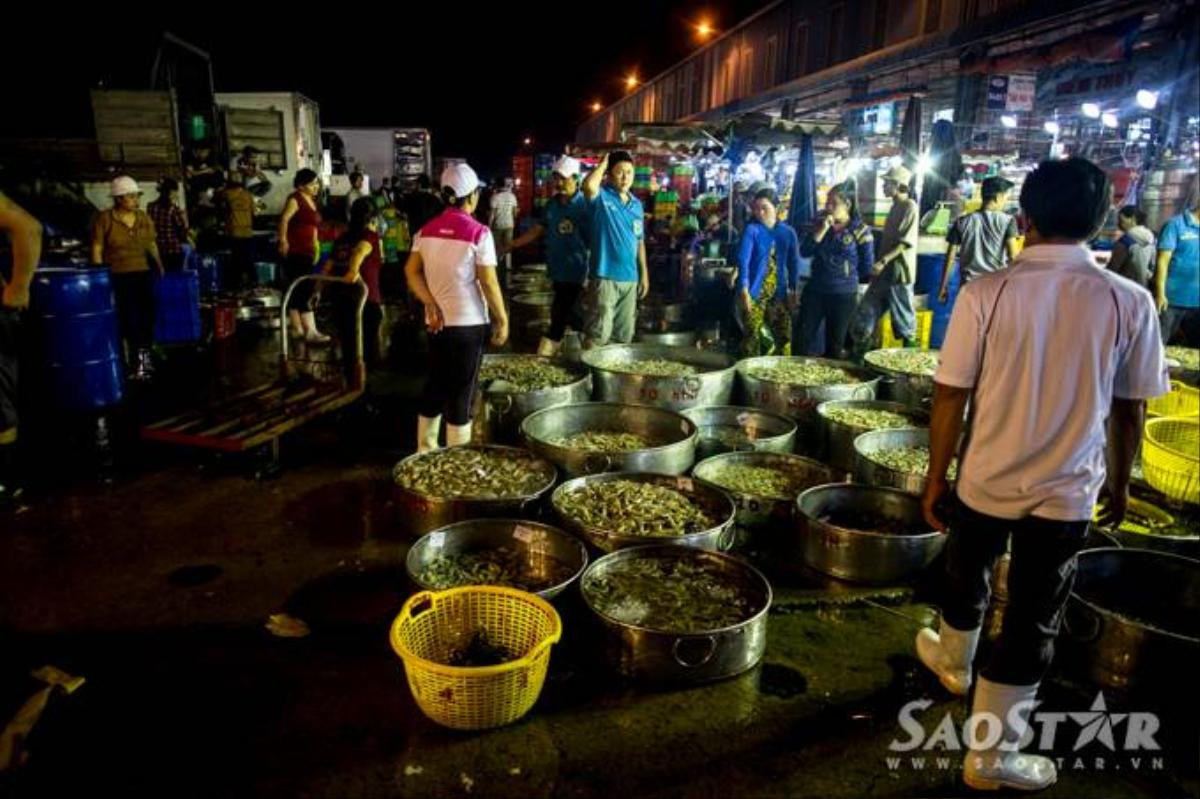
(431, 625)
(924, 325)
(1181, 400)
(1171, 457)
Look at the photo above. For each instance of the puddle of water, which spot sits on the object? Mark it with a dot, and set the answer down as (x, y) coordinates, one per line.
(345, 512)
(191, 576)
(370, 598)
(781, 681)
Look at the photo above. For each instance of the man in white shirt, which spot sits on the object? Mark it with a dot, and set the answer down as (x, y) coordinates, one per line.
(1046, 352)
(358, 190)
(502, 218)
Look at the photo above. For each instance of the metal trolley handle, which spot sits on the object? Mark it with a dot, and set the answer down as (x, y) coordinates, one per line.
(361, 287)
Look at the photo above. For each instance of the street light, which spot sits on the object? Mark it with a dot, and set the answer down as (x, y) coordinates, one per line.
(1090, 110)
(704, 29)
(527, 141)
(1147, 99)
(596, 106)
(631, 81)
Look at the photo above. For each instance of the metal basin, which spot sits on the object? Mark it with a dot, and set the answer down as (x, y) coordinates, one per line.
(766, 431)
(1133, 619)
(915, 391)
(713, 385)
(800, 402)
(530, 284)
(498, 412)
(660, 317)
(1154, 534)
(675, 455)
(422, 513)
(681, 338)
(533, 306)
(541, 547)
(716, 502)
(692, 658)
(757, 513)
(869, 472)
(839, 437)
(861, 556)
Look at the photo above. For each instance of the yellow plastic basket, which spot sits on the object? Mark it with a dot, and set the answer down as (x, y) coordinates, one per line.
(1181, 400)
(1171, 457)
(888, 341)
(431, 624)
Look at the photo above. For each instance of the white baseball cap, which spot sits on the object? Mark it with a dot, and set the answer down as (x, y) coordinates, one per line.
(124, 185)
(460, 178)
(567, 166)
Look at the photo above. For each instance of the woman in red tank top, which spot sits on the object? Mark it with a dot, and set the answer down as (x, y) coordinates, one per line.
(356, 257)
(300, 251)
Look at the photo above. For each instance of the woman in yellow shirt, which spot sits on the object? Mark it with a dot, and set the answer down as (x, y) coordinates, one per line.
(124, 240)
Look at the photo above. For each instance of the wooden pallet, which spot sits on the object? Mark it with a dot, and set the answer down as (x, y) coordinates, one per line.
(253, 418)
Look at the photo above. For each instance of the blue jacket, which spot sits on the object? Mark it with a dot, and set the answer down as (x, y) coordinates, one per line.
(754, 256)
(841, 259)
(565, 226)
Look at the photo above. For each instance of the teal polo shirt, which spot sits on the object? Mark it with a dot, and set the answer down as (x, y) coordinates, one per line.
(616, 230)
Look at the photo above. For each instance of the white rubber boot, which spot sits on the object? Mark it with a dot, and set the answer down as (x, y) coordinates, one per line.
(311, 334)
(457, 434)
(427, 433)
(548, 348)
(949, 653)
(1002, 766)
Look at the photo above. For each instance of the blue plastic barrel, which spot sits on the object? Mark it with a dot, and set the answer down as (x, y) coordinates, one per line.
(929, 273)
(177, 308)
(75, 320)
(941, 314)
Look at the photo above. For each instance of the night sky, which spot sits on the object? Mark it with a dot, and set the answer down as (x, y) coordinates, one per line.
(481, 76)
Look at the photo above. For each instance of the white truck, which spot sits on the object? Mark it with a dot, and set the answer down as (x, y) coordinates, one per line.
(399, 154)
(285, 127)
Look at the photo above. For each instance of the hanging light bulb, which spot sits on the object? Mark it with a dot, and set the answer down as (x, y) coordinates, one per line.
(1108, 119)
(1008, 121)
(1090, 110)
(1051, 127)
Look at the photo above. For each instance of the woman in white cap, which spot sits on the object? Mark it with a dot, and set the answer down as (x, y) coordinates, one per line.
(452, 271)
(562, 224)
(124, 239)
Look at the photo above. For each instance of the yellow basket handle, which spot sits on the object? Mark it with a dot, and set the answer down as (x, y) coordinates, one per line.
(418, 604)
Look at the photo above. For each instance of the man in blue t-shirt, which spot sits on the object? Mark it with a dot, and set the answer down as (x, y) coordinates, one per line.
(617, 277)
(1177, 279)
(564, 227)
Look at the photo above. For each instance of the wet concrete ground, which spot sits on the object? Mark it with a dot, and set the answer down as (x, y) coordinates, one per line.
(155, 587)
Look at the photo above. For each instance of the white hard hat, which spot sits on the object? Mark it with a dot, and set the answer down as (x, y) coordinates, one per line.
(460, 178)
(124, 185)
(567, 166)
